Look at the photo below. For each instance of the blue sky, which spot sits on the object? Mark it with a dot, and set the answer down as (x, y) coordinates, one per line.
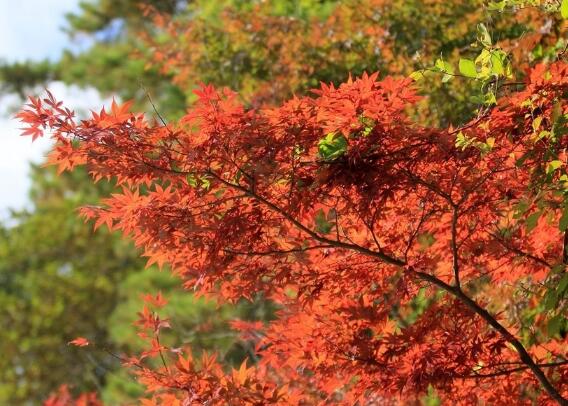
(31, 29)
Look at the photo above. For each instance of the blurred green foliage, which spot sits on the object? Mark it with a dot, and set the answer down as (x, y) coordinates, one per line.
(57, 281)
(20, 77)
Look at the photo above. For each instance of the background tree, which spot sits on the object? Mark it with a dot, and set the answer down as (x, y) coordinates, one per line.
(274, 54)
(58, 278)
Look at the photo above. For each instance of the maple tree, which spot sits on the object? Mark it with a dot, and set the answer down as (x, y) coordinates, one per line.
(342, 210)
(405, 259)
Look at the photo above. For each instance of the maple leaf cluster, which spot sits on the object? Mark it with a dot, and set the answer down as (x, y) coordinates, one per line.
(62, 397)
(379, 239)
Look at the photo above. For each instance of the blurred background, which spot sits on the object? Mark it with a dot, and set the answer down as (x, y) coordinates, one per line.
(58, 278)
(30, 32)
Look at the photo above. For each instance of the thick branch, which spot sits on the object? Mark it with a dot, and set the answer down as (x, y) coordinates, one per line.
(523, 354)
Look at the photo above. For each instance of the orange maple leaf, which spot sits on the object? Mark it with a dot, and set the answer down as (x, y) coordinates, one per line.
(79, 342)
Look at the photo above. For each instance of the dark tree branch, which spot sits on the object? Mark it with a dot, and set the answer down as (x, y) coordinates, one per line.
(565, 248)
(428, 186)
(484, 314)
(275, 252)
(454, 245)
(156, 110)
(520, 252)
(512, 370)
(414, 233)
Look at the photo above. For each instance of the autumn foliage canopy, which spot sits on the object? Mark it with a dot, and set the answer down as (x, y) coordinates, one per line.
(403, 259)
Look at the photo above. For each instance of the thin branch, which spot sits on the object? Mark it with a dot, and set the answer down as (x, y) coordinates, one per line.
(155, 109)
(469, 125)
(161, 353)
(412, 237)
(520, 252)
(275, 252)
(565, 248)
(370, 226)
(454, 246)
(512, 370)
(428, 186)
